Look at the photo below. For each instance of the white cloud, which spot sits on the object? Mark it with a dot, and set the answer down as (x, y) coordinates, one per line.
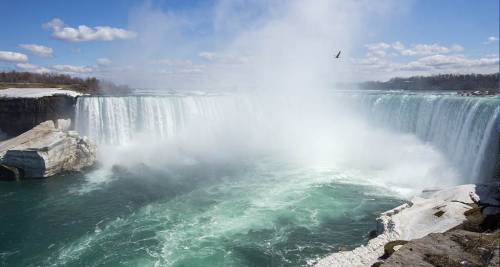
(32, 68)
(13, 56)
(55, 23)
(223, 59)
(434, 64)
(38, 50)
(427, 49)
(104, 61)
(443, 62)
(85, 33)
(378, 46)
(377, 50)
(382, 61)
(456, 48)
(65, 69)
(398, 46)
(491, 40)
(382, 49)
(172, 62)
(210, 56)
(194, 70)
(71, 69)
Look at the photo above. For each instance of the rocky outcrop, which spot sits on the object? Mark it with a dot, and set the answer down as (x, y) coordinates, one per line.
(434, 211)
(474, 243)
(456, 247)
(22, 109)
(47, 149)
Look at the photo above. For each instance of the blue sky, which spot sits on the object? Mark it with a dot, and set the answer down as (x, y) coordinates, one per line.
(380, 39)
(465, 22)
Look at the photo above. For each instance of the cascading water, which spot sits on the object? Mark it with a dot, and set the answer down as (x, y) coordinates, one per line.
(462, 128)
(117, 120)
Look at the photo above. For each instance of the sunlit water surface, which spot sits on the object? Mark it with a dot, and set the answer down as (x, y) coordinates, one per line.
(250, 213)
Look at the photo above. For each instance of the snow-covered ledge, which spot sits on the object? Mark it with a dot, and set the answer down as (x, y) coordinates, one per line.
(431, 212)
(35, 92)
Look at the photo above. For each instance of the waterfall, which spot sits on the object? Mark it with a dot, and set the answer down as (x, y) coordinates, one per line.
(462, 128)
(117, 120)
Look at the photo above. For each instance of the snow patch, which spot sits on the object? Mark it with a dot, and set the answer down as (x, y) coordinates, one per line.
(35, 92)
(411, 221)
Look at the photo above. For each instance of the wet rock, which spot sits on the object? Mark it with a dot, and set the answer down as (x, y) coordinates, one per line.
(44, 151)
(372, 234)
(120, 170)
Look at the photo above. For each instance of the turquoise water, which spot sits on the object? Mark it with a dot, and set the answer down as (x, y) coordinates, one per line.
(242, 181)
(258, 213)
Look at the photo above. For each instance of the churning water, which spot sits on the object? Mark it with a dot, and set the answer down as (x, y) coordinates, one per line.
(240, 180)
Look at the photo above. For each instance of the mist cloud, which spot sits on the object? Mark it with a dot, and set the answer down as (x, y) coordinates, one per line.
(264, 44)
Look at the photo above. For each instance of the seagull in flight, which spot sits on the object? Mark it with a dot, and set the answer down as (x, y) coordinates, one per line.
(338, 55)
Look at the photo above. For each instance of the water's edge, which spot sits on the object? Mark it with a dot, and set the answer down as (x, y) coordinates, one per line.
(413, 221)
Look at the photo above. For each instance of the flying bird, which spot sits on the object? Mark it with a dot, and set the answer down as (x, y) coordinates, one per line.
(338, 55)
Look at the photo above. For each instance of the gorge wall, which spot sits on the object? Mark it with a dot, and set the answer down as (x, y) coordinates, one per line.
(20, 114)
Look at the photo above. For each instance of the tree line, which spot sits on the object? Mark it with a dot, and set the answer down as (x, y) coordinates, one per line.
(90, 85)
(462, 82)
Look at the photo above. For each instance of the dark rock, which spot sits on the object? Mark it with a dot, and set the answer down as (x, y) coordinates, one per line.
(18, 115)
(10, 173)
(439, 213)
(372, 234)
(389, 248)
(120, 170)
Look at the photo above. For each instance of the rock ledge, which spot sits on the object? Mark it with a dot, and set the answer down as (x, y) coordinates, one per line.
(47, 149)
(435, 211)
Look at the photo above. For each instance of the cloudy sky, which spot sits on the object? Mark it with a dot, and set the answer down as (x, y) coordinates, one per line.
(179, 42)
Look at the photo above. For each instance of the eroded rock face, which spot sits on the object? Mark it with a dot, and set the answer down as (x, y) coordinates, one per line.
(18, 115)
(46, 150)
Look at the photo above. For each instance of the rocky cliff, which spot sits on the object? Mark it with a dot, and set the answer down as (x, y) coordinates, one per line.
(47, 149)
(23, 109)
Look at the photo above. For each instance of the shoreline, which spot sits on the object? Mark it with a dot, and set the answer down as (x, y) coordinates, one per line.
(435, 211)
